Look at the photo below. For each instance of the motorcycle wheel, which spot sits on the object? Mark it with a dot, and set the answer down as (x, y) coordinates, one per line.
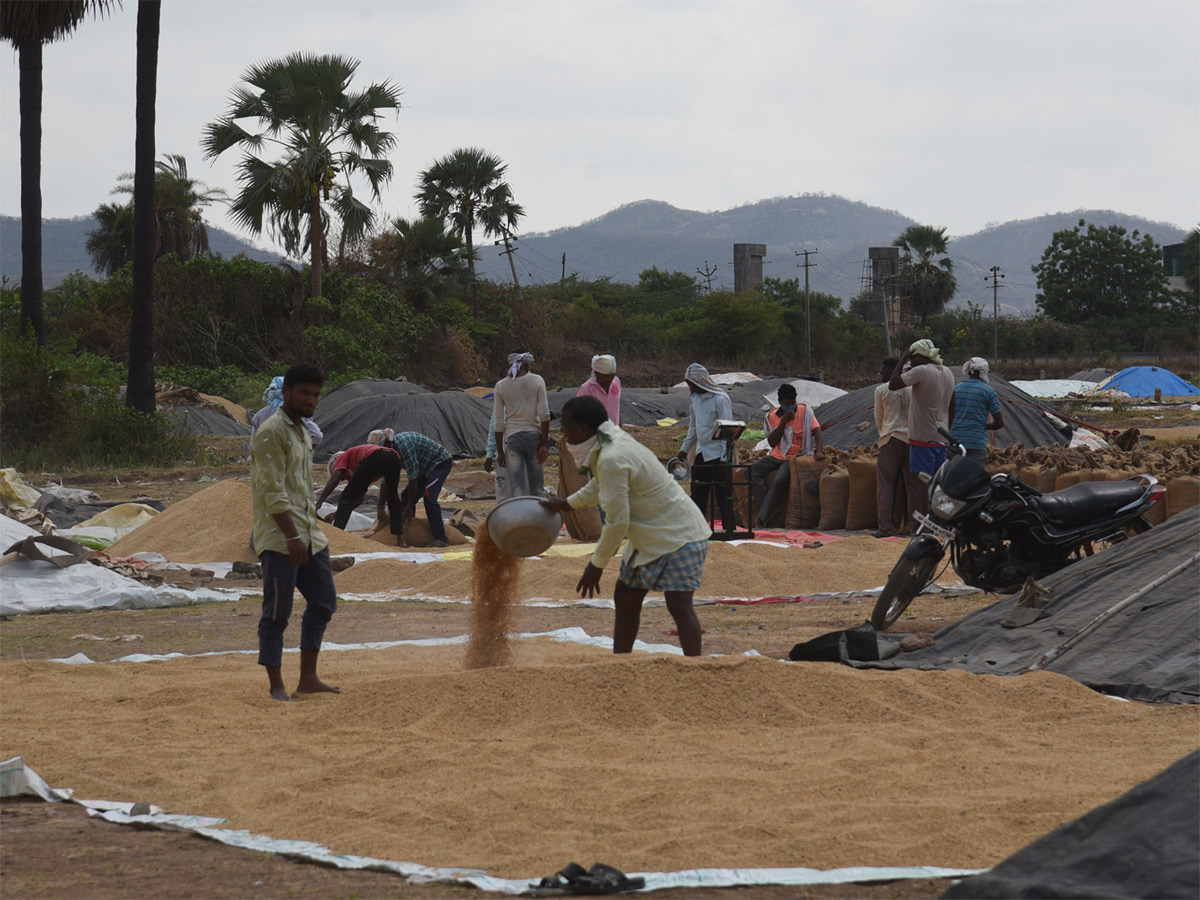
(905, 582)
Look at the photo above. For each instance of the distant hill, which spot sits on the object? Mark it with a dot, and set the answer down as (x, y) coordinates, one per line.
(637, 236)
(63, 250)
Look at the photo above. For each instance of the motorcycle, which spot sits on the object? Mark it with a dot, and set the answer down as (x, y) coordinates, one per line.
(999, 531)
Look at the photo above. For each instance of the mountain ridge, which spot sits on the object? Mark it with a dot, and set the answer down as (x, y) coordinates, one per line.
(635, 236)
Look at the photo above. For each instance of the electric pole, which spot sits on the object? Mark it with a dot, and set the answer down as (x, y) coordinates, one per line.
(508, 251)
(807, 309)
(707, 274)
(995, 280)
(564, 267)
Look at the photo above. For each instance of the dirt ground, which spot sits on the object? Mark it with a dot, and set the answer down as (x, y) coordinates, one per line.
(56, 850)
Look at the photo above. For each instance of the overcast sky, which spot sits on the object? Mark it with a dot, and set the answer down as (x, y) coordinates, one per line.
(954, 113)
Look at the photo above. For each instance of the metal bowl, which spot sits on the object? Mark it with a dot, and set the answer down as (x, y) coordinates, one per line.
(679, 468)
(521, 526)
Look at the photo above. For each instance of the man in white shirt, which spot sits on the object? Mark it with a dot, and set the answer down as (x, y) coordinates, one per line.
(521, 414)
(706, 405)
(666, 535)
(891, 421)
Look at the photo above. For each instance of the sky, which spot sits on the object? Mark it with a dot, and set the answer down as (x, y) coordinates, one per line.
(958, 114)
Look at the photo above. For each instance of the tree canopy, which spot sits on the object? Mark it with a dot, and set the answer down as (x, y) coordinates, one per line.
(1089, 272)
(321, 134)
(928, 283)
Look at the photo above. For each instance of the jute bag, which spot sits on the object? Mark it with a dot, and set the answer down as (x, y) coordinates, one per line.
(582, 524)
(835, 495)
(804, 503)
(862, 511)
(1182, 493)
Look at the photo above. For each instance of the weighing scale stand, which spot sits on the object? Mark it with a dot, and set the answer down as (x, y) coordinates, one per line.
(729, 530)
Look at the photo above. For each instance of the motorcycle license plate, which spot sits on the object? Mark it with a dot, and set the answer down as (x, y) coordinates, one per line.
(932, 527)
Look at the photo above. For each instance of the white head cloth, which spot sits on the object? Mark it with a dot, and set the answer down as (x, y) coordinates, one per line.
(698, 375)
(380, 436)
(976, 365)
(515, 360)
(605, 364)
(333, 461)
(926, 348)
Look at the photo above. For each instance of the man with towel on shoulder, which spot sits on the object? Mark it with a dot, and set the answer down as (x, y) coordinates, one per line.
(931, 407)
(521, 413)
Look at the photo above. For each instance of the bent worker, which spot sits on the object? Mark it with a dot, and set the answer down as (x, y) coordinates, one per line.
(428, 464)
(292, 548)
(666, 534)
(363, 465)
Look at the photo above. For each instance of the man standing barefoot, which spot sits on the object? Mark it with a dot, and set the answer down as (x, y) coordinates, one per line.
(291, 546)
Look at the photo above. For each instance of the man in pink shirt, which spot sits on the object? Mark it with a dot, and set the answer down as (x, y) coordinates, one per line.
(605, 386)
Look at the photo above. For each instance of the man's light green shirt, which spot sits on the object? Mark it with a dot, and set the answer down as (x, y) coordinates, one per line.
(281, 459)
(641, 502)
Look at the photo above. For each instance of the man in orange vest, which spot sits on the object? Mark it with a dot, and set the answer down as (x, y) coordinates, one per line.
(786, 441)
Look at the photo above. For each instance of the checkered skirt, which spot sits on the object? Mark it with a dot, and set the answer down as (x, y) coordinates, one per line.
(681, 570)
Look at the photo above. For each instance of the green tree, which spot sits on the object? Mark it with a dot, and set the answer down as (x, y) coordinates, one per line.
(1088, 273)
(28, 25)
(321, 130)
(178, 215)
(421, 259)
(467, 188)
(928, 282)
(1191, 261)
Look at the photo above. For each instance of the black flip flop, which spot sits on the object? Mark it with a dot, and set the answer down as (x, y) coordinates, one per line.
(602, 879)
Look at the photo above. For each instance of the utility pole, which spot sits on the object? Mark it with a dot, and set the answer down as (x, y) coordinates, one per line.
(995, 280)
(807, 309)
(564, 269)
(707, 274)
(508, 251)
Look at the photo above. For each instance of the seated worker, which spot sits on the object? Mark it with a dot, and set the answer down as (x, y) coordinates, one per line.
(428, 465)
(364, 465)
(780, 426)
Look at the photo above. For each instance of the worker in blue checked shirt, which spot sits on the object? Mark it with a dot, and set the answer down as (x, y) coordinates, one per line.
(428, 465)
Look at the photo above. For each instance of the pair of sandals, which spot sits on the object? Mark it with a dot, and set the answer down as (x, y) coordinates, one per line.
(575, 879)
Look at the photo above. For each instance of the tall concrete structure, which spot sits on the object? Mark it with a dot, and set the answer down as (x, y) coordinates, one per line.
(747, 266)
(885, 285)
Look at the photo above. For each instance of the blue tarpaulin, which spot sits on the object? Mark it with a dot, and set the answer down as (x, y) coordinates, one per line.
(1143, 381)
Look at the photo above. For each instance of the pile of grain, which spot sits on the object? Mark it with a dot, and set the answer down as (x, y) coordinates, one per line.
(214, 525)
(747, 571)
(647, 763)
(495, 577)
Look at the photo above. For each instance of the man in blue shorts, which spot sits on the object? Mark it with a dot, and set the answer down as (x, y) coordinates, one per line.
(667, 535)
(931, 407)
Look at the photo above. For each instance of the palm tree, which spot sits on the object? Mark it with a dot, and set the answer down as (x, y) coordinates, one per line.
(27, 25)
(421, 259)
(178, 216)
(319, 130)
(931, 282)
(139, 386)
(467, 189)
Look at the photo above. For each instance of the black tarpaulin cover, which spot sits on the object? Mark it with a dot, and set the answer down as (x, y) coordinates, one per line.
(1146, 843)
(1149, 651)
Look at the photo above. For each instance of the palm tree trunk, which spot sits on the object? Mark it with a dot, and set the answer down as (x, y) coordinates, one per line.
(316, 244)
(32, 310)
(140, 390)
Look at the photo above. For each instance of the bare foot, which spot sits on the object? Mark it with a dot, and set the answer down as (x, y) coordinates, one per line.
(316, 686)
(280, 693)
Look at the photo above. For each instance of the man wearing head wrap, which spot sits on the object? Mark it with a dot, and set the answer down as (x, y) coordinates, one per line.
(428, 464)
(363, 465)
(521, 413)
(931, 407)
(891, 463)
(706, 404)
(976, 410)
(605, 386)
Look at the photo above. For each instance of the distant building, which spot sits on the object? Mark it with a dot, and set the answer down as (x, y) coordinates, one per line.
(747, 266)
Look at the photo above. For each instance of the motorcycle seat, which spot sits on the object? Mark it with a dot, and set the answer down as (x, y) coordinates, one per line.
(1089, 500)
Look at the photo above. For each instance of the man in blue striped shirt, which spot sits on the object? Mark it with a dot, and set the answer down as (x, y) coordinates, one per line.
(428, 464)
(976, 410)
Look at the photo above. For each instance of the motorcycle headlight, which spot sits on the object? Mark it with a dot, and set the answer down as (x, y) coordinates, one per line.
(944, 506)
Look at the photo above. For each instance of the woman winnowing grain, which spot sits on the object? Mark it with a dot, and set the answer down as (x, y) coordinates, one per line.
(667, 534)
